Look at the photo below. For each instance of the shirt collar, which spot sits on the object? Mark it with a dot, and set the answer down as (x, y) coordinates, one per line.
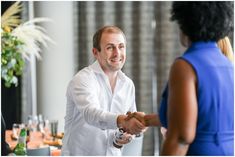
(97, 69)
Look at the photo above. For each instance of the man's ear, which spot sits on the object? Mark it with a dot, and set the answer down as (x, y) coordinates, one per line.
(95, 52)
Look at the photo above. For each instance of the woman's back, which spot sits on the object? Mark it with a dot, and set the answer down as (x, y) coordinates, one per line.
(215, 82)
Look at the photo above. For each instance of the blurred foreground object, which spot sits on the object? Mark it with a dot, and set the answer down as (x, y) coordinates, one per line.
(18, 42)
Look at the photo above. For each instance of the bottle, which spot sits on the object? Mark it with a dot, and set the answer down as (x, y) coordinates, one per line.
(20, 148)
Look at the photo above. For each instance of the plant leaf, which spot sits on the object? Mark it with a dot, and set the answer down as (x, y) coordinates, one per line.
(9, 18)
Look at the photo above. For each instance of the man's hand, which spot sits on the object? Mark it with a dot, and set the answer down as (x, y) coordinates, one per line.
(147, 120)
(138, 115)
(126, 138)
(131, 126)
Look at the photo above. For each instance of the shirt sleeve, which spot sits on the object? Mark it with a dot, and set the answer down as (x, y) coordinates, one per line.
(84, 94)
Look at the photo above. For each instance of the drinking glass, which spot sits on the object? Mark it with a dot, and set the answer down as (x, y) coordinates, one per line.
(54, 128)
(15, 131)
(35, 123)
(46, 128)
(41, 124)
(32, 126)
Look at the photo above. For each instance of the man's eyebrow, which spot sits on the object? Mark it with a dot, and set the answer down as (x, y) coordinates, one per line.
(108, 44)
(112, 44)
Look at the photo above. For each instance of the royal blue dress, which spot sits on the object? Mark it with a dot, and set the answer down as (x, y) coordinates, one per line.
(215, 91)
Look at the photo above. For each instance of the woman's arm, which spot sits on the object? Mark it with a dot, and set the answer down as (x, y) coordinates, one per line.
(152, 120)
(182, 109)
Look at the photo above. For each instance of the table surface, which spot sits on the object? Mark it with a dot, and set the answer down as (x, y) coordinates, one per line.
(36, 141)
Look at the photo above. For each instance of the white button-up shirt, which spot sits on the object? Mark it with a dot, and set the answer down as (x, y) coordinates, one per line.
(92, 110)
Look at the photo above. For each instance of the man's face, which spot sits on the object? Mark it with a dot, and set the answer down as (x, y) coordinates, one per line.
(112, 55)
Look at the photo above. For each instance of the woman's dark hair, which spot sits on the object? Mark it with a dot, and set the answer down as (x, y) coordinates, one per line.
(204, 21)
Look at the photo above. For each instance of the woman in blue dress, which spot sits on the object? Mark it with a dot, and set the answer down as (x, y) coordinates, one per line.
(198, 103)
(197, 106)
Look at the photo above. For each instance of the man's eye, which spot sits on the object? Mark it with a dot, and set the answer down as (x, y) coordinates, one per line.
(121, 47)
(110, 48)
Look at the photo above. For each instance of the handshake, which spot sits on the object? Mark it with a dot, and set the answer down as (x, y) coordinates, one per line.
(137, 122)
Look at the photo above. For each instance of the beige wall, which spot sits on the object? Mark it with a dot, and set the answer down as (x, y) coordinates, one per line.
(57, 66)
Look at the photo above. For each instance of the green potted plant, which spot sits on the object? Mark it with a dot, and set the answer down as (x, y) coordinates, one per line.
(18, 42)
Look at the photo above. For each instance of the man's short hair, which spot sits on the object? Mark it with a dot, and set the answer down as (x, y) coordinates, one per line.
(106, 29)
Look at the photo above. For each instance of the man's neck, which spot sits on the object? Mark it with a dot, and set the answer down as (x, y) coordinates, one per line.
(112, 79)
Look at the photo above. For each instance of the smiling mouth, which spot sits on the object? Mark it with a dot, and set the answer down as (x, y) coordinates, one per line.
(116, 60)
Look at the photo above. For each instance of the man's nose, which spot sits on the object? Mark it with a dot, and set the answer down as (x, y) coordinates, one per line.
(116, 51)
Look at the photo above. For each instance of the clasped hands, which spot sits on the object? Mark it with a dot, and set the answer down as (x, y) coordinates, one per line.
(133, 123)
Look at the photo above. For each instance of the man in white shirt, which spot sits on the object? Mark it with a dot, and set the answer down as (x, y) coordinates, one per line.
(98, 98)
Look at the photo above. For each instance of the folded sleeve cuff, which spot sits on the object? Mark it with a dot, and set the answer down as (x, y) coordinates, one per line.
(111, 120)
